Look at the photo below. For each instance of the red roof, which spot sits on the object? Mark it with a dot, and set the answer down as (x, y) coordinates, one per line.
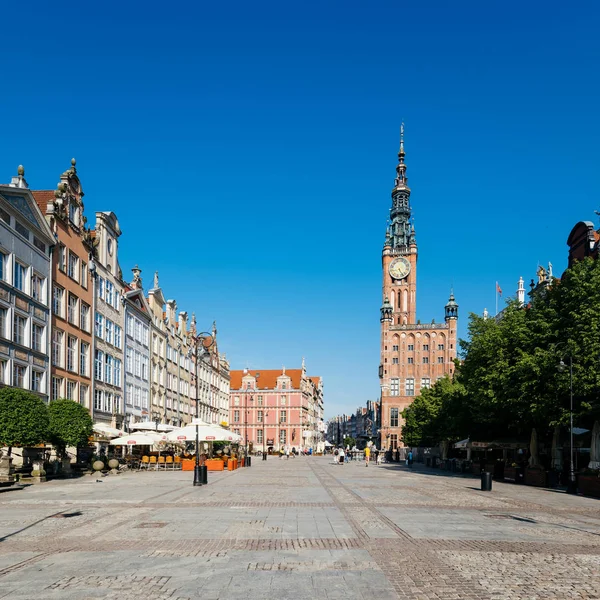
(43, 198)
(267, 379)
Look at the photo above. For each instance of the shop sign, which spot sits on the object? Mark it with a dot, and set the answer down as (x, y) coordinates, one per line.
(270, 442)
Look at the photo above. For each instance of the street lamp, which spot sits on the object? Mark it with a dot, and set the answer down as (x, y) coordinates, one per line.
(263, 436)
(156, 419)
(202, 344)
(246, 461)
(572, 485)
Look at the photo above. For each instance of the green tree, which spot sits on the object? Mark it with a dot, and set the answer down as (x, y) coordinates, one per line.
(23, 418)
(70, 424)
(349, 441)
(427, 421)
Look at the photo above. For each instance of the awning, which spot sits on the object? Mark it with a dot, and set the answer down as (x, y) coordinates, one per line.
(462, 443)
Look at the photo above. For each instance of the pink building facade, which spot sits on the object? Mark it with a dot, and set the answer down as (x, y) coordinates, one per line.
(277, 409)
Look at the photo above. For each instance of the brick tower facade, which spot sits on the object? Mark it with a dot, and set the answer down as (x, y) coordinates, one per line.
(413, 355)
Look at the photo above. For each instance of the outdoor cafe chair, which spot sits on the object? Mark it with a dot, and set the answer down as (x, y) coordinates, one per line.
(169, 462)
(144, 462)
(153, 462)
(177, 462)
(161, 462)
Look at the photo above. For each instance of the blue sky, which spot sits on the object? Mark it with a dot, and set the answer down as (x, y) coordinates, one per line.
(248, 150)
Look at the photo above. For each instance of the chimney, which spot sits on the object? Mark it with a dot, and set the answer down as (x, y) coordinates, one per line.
(171, 308)
(183, 316)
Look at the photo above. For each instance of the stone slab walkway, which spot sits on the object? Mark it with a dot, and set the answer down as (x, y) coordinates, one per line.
(301, 529)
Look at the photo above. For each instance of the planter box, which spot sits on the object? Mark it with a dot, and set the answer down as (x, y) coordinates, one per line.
(589, 485)
(215, 465)
(187, 464)
(232, 464)
(535, 477)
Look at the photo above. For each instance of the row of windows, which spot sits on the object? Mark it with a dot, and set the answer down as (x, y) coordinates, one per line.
(136, 396)
(259, 435)
(22, 277)
(281, 385)
(77, 311)
(65, 388)
(173, 355)
(72, 265)
(107, 330)
(137, 330)
(77, 356)
(23, 376)
(105, 290)
(409, 386)
(184, 386)
(107, 401)
(25, 331)
(107, 368)
(136, 363)
(260, 416)
(411, 361)
(259, 401)
(411, 347)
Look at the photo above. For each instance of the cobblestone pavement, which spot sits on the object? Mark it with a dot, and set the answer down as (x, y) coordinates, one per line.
(301, 528)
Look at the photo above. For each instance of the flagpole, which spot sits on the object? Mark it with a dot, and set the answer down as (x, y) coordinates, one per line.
(496, 298)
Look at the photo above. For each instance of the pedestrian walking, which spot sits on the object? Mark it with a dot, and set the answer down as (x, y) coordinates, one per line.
(367, 455)
(377, 457)
(341, 455)
(287, 453)
(410, 458)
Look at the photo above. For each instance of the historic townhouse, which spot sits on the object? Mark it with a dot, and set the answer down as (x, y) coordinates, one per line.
(72, 294)
(178, 409)
(275, 409)
(108, 323)
(25, 283)
(138, 322)
(158, 357)
(413, 355)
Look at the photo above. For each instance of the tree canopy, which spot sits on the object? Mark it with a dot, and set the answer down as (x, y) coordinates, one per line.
(70, 424)
(508, 381)
(23, 418)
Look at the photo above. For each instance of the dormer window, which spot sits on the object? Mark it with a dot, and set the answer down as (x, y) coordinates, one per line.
(284, 385)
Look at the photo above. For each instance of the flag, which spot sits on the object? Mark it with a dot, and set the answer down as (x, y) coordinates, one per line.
(498, 289)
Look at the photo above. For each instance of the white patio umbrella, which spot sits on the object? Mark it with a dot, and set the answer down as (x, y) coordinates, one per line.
(138, 439)
(151, 426)
(107, 430)
(206, 433)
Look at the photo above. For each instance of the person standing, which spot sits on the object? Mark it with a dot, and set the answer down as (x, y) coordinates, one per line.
(410, 458)
(341, 455)
(367, 455)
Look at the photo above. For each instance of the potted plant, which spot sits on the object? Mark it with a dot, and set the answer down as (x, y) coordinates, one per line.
(588, 482)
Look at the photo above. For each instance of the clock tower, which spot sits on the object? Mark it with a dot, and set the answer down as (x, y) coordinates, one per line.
(413, 356)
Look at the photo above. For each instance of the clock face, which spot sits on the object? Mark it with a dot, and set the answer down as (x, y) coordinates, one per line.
(399, 268)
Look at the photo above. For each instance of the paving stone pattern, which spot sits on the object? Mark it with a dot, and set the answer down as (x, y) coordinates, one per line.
(300, 528)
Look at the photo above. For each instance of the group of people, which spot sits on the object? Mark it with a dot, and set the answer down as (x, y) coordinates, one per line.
(344, 455)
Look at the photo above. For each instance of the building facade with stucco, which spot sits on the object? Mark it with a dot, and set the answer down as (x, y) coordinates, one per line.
(277, 409)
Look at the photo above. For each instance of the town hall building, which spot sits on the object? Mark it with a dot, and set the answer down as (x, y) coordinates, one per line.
(413, 355)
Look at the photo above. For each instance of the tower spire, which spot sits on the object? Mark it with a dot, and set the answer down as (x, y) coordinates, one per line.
(401, 232)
